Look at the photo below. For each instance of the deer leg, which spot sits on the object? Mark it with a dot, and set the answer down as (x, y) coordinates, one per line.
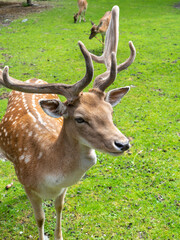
(58, 206)
(84, 16)
(36, 203)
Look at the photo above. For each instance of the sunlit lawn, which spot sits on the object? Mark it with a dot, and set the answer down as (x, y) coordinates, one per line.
(135, 196)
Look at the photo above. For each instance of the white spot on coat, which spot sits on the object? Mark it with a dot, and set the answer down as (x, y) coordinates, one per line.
(40, 155)
(34, 119)
(21, 157)
(27, 158)
(30, 134)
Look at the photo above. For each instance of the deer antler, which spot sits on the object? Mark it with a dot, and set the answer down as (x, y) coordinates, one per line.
(108, 57)
(107, 78)
(69, 91)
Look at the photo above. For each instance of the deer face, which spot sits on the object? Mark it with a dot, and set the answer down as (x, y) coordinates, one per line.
(89, 120)
(94, 31)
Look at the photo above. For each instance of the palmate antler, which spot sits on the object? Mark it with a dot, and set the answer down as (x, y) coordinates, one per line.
(69, 91)
(109, 54)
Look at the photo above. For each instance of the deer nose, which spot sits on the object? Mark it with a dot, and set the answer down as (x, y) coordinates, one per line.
(122, 146)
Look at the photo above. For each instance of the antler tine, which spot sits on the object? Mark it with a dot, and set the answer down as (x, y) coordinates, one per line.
(106, 79)
(130, 60)
(112, 37)
(69, 91)
(109, 55)
(79, 86)
(111, 45)
(111, 40)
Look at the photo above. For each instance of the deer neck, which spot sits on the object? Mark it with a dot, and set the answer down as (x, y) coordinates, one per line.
(68, 160)
(71, 151)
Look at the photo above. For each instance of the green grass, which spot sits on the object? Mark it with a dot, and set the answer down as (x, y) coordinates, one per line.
(135, 196)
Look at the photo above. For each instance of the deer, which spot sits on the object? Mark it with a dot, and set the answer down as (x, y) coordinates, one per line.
(52, 143)
(82, 5)
(101, 27)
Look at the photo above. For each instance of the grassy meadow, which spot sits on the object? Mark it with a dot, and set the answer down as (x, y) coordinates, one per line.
(137, 195)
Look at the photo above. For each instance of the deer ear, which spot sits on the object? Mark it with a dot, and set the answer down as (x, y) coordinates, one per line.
(114, 96)
(53, 107)
(101, 23)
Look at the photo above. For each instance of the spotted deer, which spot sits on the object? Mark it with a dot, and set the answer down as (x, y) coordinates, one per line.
(51, 143)
(82, 5)
(101, 27)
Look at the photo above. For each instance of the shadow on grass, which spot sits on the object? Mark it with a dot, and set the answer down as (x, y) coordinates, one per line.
(12, 205)
(97, 51)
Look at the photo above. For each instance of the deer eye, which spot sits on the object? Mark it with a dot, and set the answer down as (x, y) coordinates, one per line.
(79, 120)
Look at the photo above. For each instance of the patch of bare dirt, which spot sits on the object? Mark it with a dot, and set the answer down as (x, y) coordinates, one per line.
(13, 10)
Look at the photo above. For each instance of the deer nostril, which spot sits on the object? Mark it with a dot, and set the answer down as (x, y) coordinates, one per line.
(118, 144)
(126, 147)
(122, 146)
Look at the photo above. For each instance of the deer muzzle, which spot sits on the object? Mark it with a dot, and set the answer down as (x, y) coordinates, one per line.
(122, 146)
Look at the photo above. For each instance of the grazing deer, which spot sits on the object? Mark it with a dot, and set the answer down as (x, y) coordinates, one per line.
(51, 143)
(101, 27)
(82, 4)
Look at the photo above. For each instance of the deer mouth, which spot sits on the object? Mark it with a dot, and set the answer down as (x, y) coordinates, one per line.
(117, 153)
(112, 153)
(91, 36)
(116, 148)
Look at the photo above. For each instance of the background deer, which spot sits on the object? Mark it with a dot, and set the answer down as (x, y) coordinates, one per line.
(101, 27)
(82, 4)
(51, 144)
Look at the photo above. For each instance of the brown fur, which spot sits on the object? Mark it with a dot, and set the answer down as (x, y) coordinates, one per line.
(82, 5)
(42, 147)
(101, 27)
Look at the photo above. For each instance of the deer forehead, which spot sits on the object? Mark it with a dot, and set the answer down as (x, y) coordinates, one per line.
(94, 28)
(93, 103)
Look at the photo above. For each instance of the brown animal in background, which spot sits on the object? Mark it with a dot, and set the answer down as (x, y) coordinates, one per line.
(51, 143)
(101, 27)
(82, 4)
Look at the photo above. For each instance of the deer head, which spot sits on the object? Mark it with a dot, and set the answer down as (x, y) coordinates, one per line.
(75, 17)
(88, 116)
(94, 30)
